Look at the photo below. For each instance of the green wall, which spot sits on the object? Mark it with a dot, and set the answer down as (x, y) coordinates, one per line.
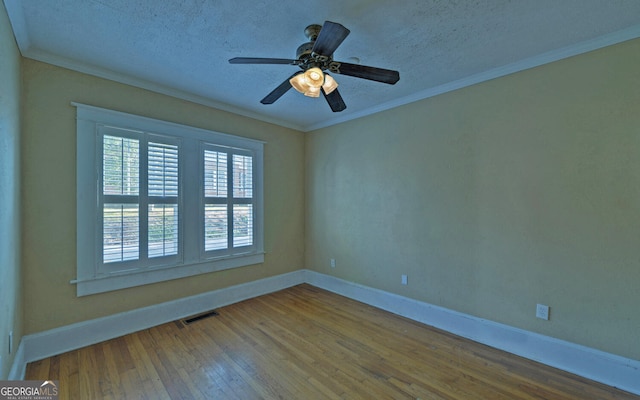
(49, 195)
(495, 197)
(10, 295)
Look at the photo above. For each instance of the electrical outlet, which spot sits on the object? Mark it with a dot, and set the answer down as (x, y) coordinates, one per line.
(404, 280)
(333, 263)
(542, 312)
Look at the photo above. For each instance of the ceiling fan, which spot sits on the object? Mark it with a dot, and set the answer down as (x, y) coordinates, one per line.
(315, 58)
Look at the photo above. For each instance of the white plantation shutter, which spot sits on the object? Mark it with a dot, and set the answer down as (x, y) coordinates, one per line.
(121, 166)
(242, 225)
(216, 227)
(242, 200)
(121, 232)
(121, 187)
(163, 189)
(140, 198)
(163, 170)
(242, 176)
(228, 202)
(216, 217)
(215, 173)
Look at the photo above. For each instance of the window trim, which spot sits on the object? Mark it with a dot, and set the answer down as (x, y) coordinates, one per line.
(89, 279)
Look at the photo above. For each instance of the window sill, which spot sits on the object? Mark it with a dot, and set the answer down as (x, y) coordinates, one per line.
(107, 283)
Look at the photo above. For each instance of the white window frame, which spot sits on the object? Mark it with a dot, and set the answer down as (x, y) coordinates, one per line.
(193, 259)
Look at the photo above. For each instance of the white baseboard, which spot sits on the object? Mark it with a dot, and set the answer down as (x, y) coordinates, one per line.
(610, 369)
(19, 366)
(70, 337)
(596, 365)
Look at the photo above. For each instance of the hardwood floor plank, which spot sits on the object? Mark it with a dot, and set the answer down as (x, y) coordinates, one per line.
(151, 382)
(41, 368)
(87, 383)
(305, 343)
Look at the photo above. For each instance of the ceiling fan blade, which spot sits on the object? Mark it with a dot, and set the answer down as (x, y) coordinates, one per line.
(331, 36)
(279, 91)
(362, 71)
(254, 60)
(335, 100)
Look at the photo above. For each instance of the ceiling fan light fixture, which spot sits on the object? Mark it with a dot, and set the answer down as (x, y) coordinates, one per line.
(308, 82)
(329, 84)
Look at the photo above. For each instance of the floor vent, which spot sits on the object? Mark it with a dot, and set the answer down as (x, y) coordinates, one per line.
(199, 317)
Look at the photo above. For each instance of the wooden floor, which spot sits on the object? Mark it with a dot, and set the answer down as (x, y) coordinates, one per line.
(304, 343)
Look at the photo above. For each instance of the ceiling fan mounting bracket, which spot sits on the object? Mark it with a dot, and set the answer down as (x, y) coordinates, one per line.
(312, 31)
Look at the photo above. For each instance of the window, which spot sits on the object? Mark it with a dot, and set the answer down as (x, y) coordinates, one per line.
(138, 181)
(228, 200)
(159, 201)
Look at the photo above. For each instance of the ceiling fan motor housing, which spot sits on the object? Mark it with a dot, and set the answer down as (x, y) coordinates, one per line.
(304, 50)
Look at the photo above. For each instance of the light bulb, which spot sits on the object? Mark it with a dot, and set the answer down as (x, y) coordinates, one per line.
(314, 77)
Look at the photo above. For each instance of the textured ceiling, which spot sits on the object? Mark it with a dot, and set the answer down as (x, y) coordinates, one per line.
(182, 47)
